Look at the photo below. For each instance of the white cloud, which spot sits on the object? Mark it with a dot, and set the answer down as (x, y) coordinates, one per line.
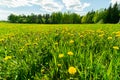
(4, 14)
(14, 3)
(45, 6)
(114, 1)
(48, 5)
(75, 5)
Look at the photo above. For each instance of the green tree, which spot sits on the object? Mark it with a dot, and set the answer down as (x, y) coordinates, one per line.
(76, 18)
(115, 14)
(88, 18)
(99, 16)
(67, 18)
(13, 18)
(39, 19)
(47, 18)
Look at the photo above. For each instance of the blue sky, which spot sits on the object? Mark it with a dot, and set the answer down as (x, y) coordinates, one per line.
(48, 6)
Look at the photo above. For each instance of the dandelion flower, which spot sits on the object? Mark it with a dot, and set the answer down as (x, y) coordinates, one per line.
(101, 35)
(72, 34)
(35, 43)
(109, 38)
(61, 55)
(36, 39)
(68, 33)
(81, 36)
(56, 43)
(42, 70)
(1, 40)
(70, 53)
(118, 35)
(59, 65)
(71, 41)
(7, 57)
(115, 47)
(72, 70)
(27, 44)
(21, 49)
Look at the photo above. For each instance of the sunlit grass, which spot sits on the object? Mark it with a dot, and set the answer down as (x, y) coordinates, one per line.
(59, 52)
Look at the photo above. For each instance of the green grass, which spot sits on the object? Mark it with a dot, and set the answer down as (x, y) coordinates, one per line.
(40, 52)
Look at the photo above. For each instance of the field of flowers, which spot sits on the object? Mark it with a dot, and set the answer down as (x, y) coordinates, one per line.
(60, 52)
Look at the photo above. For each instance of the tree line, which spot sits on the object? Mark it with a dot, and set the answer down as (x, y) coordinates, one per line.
(109, 15)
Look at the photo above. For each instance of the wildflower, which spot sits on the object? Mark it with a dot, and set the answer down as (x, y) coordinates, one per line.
(71, 41)
(1, 40)
(72, 70)
(7, 57)
(109, 38)
(100, 31)
(117, 32)
(101, 35)
(27, 44)
(59, 65)
(65, 28)
(68, 33)
(115, 47)
(35, 43)
(72, 34)
(36, 39)
(81, 36)
(118, 35)
(42, 70)
(61, 55)
(21, 49)
(56, 43)
(70, 53)
(113, 32)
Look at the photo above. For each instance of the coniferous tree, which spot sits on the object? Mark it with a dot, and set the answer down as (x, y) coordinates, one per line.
(115, 14)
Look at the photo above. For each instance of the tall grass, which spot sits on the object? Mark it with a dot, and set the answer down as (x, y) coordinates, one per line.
(60, 54)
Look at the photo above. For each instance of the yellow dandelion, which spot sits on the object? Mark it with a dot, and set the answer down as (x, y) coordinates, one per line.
(109, 38)
(81, 36)
(113, 32)
(56, 43)
(42, 70)
(101, 35)
(35, 43)
(21, 49)
(59, 65)
(70, 53)
(68, 33)
(61, 55)
(117, 32)
(36, 39)
(7, 57)
(100, 31)
(71, 41)
(72, 70)
(115, 47)
(1, 40)
(72, 34)
(118, 35)
(27, 44)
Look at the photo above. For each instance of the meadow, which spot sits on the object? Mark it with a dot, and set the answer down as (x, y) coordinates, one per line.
(59, 52)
